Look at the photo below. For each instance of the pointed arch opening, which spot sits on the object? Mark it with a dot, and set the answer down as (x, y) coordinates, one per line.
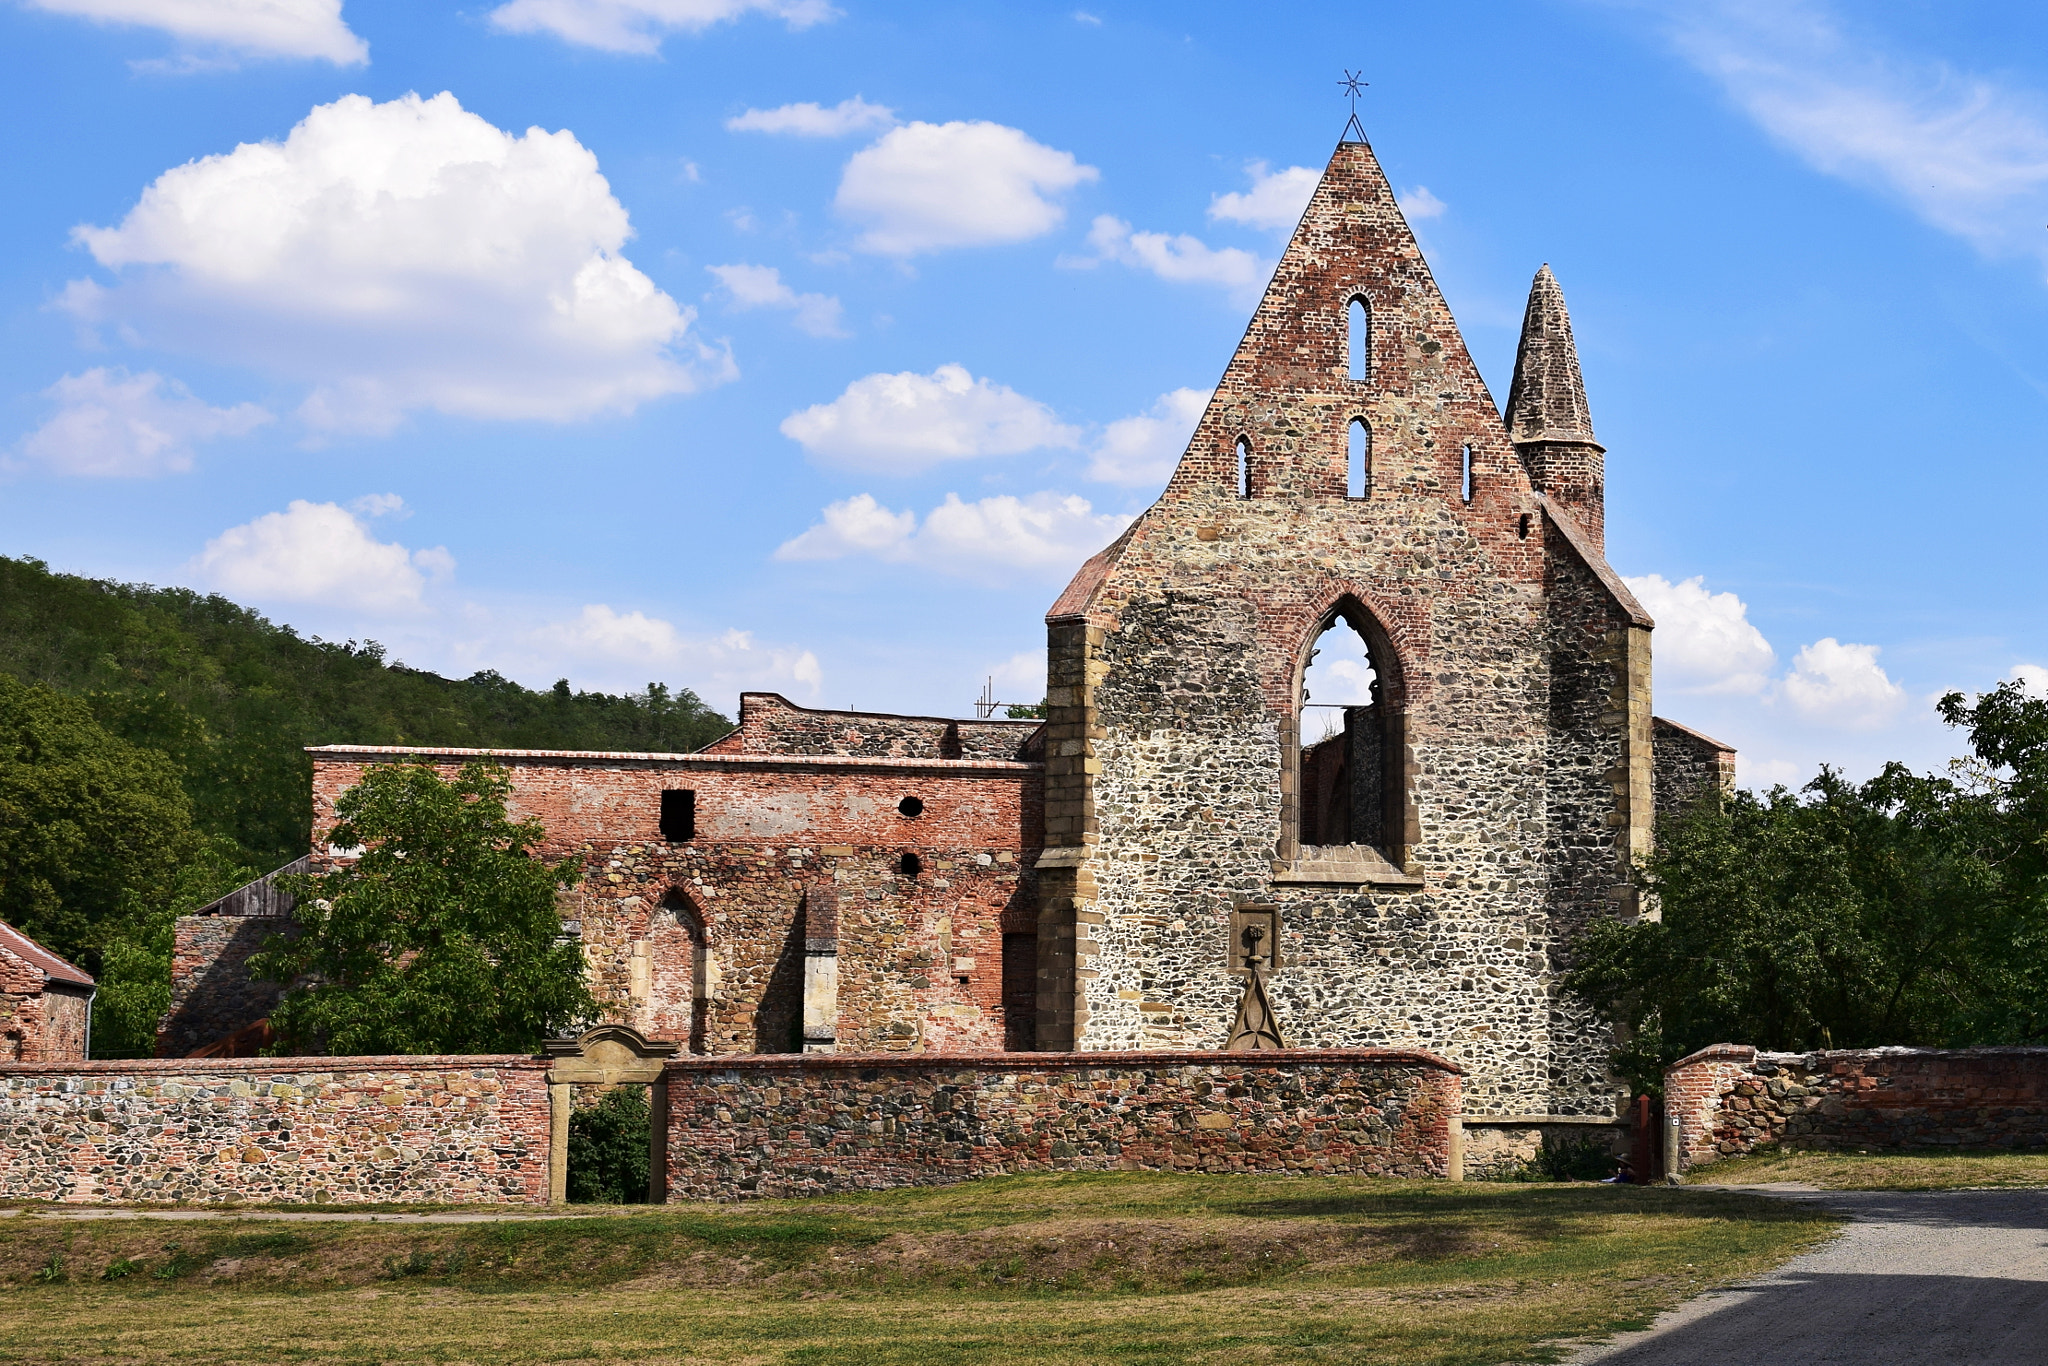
(1357, 459)
(1244, 467)
(1350, 774)
(671, 973)
(1358, 336)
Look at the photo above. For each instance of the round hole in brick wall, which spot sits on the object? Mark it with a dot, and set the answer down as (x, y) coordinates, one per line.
(912, 865)
(911, 806)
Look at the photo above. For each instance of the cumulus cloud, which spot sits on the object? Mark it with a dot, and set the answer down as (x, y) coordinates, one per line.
(323, 553)
(1967, 153)
(111, 423)
(400, 256)
(1420, 203)
(607, 639)
(750, 287)
(245, 28)
(928, 186)
(814, 121)
(2033, 678)
(1020, 679)
(903, 423)
(1841, 685)
(1275, 200)
(638, 26)
(1182, 259)
(1144, 449)
(991, 540)
(1704, 641)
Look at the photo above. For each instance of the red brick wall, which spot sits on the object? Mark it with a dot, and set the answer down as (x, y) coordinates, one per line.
(277, 1131)
(811, 1125)
(1731, 1099)
(39, 1022)
(920, 956)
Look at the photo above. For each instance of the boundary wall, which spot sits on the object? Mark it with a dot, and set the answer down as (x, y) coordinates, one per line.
(1728, 1099)
(787, 1125)
(447, 1130)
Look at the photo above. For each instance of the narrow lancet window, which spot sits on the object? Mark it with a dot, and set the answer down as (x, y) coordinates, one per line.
(1358, 460)
(1361, 339)
(1342, 730)
(1468, 482)
(1244, 467)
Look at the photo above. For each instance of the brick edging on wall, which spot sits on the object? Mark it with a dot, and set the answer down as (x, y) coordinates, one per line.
(171, 1067)
(1008, 1062)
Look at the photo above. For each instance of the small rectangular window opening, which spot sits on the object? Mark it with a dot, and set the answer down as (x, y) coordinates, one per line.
(1358, 460)
(1468, 474)
(678, 815)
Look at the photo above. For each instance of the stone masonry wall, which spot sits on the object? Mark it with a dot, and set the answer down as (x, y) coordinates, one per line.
(757, 1127)
(920, 955)
(212, 993)
(1689, 765)
(1731, 1099)
(38, 1022)
(274, 1130)
(1176, 663)
(772, 724)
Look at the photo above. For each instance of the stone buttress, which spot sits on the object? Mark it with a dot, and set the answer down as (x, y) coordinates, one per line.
(1511, 784)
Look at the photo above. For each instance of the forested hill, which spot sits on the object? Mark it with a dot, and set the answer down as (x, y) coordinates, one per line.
(235, 699)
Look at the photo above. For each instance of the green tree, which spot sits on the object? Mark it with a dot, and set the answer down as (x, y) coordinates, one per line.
(608, 1148)
(1905, 910)
(443, 937)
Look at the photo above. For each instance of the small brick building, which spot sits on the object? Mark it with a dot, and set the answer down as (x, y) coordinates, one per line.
(45, 1003)
(876, 883)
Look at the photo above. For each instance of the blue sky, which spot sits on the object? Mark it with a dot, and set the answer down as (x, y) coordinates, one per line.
(810, 346)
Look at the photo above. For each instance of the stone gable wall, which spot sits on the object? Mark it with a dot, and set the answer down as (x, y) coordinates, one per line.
(767, 830)
(1176, 661)
(212, 993)
(276, 1131)
(1689, 765)
(761, 1127)
(772, 724)
(1731, 1099)
(40, 1020)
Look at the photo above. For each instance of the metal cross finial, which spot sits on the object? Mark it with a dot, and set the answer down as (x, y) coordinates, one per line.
(1353, 88)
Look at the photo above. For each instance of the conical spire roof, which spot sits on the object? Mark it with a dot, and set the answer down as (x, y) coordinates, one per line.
(1547, 401)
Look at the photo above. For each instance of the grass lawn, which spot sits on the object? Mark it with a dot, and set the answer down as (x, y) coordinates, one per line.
(1878, 1171)
(1125, 1268)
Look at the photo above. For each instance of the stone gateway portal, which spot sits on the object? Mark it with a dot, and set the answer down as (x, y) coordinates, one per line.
(1418, 859)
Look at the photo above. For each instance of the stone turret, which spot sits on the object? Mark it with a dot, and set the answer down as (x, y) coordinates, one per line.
(1547, 416)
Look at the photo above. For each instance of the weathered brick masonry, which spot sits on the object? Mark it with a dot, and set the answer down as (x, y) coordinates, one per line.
(270, 1130)
(1730, 1099)
(811, 1125)
(45, 1002)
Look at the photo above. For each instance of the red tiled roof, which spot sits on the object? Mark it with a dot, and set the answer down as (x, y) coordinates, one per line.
(56, 969)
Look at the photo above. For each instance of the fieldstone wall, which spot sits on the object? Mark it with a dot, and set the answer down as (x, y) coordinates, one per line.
(754, 1127)
(772, 724)
(212, 993)
(1689, 765)
(1730, 1099)
(277, 1131)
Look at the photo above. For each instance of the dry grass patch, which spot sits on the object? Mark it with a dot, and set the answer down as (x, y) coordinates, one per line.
(1057, 1269)
(1878, 1171)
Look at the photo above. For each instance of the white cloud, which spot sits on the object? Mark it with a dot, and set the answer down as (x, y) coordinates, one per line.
(2031, 677)
(249, 28)
(319, 552)
(1841, 685)
(1275, 200)
(607, 639)
(927, 186)
(1182, 259)
(1704, 642)
(1020, 679)
(1142, 450)
(1420, 203)
(814, 121)
(399, 256)
(639, 25)
(902, 423)
(1967, 153)
(112, 423)
(991, 540)
(762, 287)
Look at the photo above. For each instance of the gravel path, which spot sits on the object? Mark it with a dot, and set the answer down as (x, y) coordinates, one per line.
(1958, 1278)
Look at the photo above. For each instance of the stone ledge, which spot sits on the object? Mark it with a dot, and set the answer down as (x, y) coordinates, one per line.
(1027, 1062)
(1350, 865)
(396, 1062)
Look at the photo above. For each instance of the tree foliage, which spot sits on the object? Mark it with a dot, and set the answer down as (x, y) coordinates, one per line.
(608, 1148)
(1909, 910)
(233, 699)
(442, 937)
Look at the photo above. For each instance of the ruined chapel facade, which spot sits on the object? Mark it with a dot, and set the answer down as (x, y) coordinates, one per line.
(877, 883)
